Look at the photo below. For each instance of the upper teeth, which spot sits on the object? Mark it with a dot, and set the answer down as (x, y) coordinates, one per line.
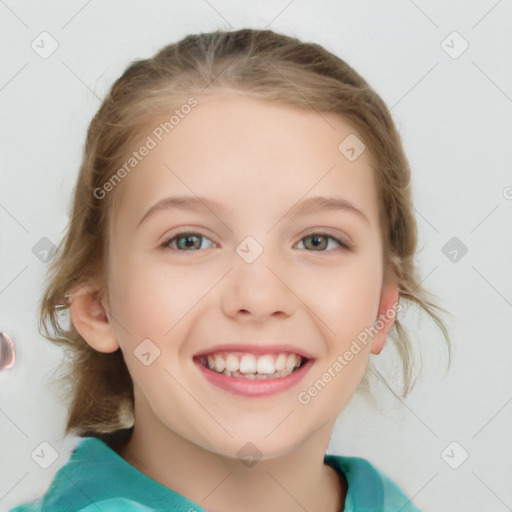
(249, 363)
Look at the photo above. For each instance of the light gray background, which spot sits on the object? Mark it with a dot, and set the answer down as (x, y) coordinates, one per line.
(454, 115)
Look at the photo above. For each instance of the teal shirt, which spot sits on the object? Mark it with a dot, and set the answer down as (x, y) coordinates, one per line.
(97, 479)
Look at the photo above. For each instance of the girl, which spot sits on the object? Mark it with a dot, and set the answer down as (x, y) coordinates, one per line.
(241, 240)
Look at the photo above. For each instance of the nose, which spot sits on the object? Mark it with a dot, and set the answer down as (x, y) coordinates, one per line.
(256, 290)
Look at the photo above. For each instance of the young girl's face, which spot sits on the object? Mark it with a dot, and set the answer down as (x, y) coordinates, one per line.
(254, 272)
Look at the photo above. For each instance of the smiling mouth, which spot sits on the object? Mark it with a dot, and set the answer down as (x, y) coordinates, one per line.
(248, 366)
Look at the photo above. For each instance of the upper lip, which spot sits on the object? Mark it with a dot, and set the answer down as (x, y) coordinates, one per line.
(255, 349)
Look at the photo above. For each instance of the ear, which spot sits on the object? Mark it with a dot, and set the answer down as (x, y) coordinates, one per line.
(387, 312)
(89, 315)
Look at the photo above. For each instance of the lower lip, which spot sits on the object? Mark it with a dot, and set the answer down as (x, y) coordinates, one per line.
(255, 387)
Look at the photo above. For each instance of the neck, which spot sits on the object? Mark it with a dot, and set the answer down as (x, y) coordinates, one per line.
(295, 482)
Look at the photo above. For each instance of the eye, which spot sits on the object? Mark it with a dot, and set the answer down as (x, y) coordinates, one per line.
(190, 240)
(185, 240)
(320, 241)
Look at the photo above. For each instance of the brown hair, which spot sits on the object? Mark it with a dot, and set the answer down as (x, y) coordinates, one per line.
(263, 63)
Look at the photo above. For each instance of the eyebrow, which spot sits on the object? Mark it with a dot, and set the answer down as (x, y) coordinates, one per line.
(192, 203)
(309, 205)
(320, 203)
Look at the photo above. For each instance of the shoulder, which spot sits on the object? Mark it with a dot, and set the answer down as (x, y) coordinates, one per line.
(83, 484)
(109, 505)
(369, 489)
(97, 478)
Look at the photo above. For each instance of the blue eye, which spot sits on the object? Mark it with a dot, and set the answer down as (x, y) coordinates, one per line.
(189, 240)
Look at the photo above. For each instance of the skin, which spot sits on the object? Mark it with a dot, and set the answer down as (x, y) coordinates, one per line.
(258, 159)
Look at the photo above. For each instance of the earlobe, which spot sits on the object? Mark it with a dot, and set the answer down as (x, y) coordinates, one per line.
(91, 320)
(387, 312)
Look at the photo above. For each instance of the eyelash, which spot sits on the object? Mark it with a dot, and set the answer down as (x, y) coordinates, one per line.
(344, 244)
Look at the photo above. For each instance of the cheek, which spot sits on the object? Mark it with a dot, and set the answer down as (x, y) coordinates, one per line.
(150, 297)
(347, 310)
(345, 300)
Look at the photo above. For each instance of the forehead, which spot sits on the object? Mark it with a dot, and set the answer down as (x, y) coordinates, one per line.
(240, 149)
